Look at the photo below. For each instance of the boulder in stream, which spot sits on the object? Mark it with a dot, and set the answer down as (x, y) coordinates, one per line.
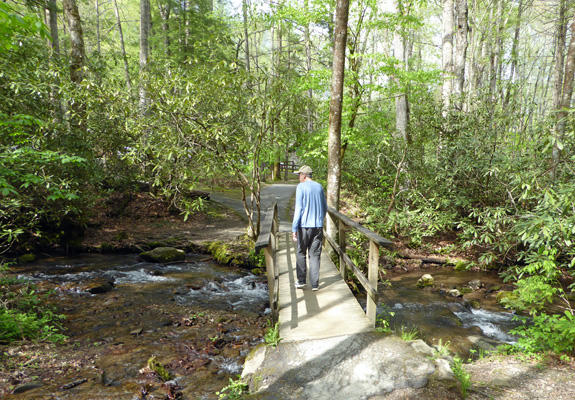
(163, 255)
(26, 258)
(27, 386)
(425, 280)
(100, 286)
(475, 284)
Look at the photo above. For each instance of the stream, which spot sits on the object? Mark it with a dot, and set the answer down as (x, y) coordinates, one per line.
(200, 319)
(471, 322)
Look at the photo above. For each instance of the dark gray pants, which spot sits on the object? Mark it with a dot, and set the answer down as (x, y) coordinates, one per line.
(309, 242)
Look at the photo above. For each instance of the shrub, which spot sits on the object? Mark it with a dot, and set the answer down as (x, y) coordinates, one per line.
(25, 314)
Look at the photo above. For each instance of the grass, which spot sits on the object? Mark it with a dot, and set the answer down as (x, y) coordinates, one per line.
(407, 334)
(272, 335)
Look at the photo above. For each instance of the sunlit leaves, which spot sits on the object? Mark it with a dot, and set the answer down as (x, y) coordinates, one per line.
(13, 25)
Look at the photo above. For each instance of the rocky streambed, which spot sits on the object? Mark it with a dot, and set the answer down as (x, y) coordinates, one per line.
(198, 318)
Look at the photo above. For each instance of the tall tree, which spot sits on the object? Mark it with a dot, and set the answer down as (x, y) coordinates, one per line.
(560, 42)
(165, 15)
(97, 10)
(77, 52)
(144, 52)
(307, 38)
(335, 110)
(447, 52)
(123, 47)
(514, 56)
(246, 33)
(566, 97)
(401, 100)
(460, 46)
(52, 9)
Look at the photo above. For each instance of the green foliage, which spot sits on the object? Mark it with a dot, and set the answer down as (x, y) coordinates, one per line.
(357, 249)
(159, 369)
(442, 349)
(36, 187)
(383, 319)
(272, 335)
(13, 26)
(257, 260)
(462, 375)
(236, 390)
(407, 334)
(551, 223)
(488, 229)
(25, 314)
(555, 333)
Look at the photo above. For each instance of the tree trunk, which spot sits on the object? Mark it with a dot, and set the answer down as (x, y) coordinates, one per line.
(514, 54)
(308, 65)
(447, 53)
(558, 81)
(77, 52)
(401, 102)
(460, 47)
(123, 48)
(566, 97)
(52, 9)
(144, 53)
(335, 110)
(97, 9)
(165, 15)
(495, 66)
(246, 34)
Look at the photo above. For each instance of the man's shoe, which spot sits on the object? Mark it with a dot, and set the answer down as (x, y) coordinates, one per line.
(315, 289)
(299, 285)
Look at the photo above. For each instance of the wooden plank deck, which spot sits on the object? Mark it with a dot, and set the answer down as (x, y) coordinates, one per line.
(304, 314)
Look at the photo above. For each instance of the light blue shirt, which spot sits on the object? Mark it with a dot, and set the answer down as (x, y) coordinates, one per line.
(310, 206)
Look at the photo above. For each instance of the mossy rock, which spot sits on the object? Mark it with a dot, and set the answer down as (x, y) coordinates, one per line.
(505, 295)
(122, 236)
(465, 290)
(153, 245)
(474, 304)
(26, 258)
(425, 280)
(461, 265)
(106, 247)
(159, 369)
(235, 253)
(163, 255)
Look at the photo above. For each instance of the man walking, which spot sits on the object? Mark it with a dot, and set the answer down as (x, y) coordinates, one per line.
(307, 227)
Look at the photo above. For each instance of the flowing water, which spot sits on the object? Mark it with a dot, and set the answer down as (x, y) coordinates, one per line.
(475, 320)
(198, 318)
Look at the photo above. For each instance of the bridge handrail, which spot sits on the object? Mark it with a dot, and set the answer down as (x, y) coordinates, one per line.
(267, 240)
(375, 242)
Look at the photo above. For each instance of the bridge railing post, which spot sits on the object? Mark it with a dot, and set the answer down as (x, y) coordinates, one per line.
(372, 275)
(341, 239)
(267, 240)
(369, 283)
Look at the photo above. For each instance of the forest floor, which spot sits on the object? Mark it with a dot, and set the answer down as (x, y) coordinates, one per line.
(144, 220)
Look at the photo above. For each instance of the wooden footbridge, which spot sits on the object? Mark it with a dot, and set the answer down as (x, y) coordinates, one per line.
(332, 310)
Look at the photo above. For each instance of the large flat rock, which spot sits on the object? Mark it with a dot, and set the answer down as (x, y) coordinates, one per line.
(351, 367)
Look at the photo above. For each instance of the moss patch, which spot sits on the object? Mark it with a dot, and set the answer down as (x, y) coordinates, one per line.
(239, 252)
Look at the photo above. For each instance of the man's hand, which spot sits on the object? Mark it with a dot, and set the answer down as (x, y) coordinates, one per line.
(294, 236)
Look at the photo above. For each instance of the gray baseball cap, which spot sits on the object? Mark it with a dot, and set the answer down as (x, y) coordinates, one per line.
(304, 169)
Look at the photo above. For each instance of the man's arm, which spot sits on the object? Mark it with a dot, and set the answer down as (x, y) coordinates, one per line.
(297, 212)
